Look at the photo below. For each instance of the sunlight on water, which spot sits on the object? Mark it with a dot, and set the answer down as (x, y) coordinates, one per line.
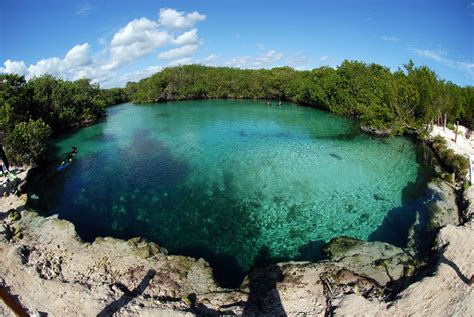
(233, 178)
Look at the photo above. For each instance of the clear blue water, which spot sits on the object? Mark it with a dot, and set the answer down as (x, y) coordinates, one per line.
(233, 181)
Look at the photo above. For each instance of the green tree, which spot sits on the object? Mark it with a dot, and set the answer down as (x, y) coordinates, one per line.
(28, 141)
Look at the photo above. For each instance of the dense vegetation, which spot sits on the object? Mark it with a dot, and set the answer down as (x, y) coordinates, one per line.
(385, 100)
(31, 111)
(453, 162)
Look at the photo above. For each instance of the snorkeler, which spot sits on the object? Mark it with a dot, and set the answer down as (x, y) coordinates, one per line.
(70, 155)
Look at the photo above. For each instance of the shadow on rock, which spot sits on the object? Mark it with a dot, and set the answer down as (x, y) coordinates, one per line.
(127, 296)
(264, 299)
(456, 269)
(312, 251)
(226, 268)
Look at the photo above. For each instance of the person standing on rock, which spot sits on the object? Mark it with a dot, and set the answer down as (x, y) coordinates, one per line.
(4, 159)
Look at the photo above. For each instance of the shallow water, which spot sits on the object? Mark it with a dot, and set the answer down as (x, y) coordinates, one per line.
(234, 181)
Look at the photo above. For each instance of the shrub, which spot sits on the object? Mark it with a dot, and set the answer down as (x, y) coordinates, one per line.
(28, 141)
(455, 163)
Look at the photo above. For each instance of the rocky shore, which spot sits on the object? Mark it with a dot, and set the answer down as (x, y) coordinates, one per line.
(46, 269)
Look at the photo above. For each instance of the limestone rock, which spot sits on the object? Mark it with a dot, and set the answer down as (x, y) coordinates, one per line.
(469, 198)
(443, 208)
(379, 261)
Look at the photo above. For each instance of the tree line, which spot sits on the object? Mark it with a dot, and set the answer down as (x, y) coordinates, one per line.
(379, 98)
(394, 102)
(31, 111)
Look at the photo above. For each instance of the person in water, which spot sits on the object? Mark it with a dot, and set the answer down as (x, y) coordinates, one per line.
(70, 155)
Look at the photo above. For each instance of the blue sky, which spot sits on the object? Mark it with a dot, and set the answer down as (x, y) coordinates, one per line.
(115, 41)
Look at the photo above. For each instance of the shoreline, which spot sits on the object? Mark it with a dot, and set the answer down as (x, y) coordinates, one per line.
(45, 257)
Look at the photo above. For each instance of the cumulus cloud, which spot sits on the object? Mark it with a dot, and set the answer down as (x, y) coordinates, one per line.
(78, 56)
(53, 66)
(138, 38)
(185, 50)
(441, 57)
(14, 67)
(173, 19)
(173, 32)
(189, 37)
(76, 64)
(261, 61)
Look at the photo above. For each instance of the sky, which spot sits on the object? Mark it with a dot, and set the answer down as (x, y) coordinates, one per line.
(116, 41)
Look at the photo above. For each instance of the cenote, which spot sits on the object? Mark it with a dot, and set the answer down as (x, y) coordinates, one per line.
(234, 181)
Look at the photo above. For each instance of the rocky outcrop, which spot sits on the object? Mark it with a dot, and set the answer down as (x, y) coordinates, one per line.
(446, 293)
(127, 277)
(442, 208)
(50, 257)
(47, 268)
(468, 196)
(379, 261)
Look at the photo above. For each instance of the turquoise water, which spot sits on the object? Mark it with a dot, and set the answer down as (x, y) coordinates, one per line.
(233, 181)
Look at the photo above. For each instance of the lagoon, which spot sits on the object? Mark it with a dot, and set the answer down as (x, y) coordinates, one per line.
(234, 181)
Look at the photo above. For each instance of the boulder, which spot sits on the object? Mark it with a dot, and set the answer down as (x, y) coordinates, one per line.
(379, 261)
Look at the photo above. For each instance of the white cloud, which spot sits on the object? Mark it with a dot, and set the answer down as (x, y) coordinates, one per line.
(260, 46)
(298, 59)
(141, 37)
(137, 30)
(120, 81)
(183, 61)
(185, 50)
(211, 59)
(389, 38)
(324, 58)
(78, 56)
(264, 60)
(84, 10)
(54, 66)
(441, 57)
(189, 37)
(14, 67)
(75, 60)
(138, 38)
(173, 19)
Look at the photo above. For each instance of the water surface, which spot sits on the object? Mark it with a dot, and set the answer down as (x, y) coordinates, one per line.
(234, 181)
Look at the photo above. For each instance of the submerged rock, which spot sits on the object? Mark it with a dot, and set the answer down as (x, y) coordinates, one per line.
(376, 131)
